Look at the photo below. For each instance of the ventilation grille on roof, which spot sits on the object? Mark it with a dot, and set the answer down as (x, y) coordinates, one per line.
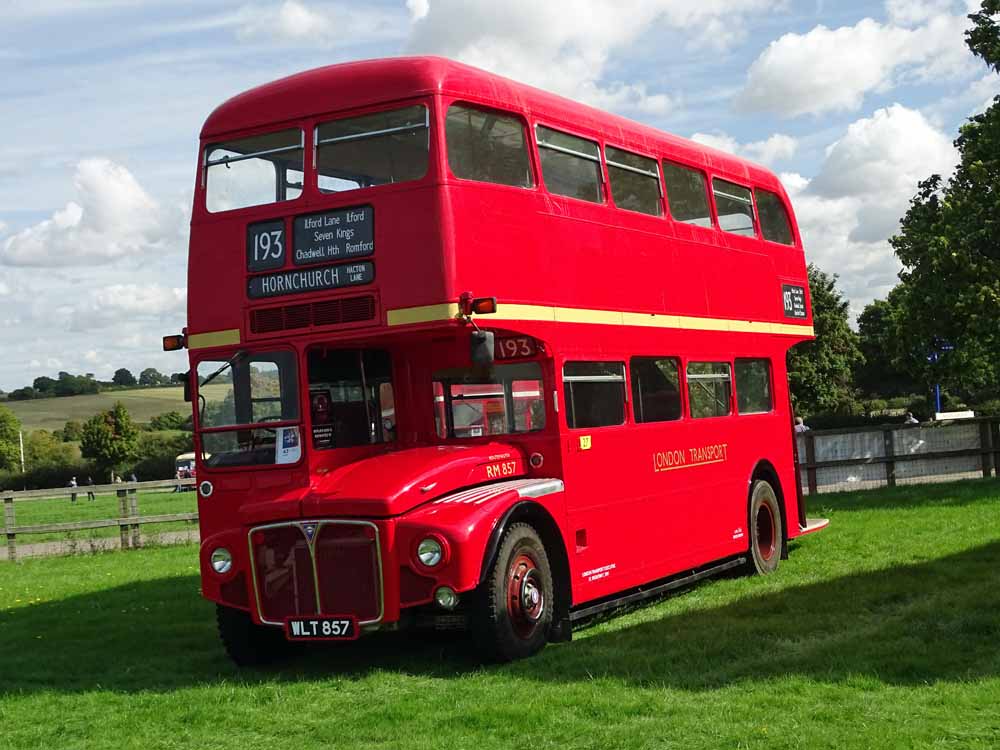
(327, 313)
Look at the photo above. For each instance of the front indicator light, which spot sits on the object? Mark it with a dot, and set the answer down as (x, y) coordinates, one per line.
(222, 561)
(430, 552)
(446, 598)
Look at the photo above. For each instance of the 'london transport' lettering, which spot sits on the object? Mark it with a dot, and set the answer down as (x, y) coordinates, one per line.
(687, 458)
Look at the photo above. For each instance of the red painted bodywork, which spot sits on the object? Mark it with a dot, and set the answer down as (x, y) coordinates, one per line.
(622, 524)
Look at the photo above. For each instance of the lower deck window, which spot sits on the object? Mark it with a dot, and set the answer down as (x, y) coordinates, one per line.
(594, 393)
(709, 389)
(753, 386)
(498, 400)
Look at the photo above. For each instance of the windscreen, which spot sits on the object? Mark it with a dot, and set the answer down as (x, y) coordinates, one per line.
(245, 405)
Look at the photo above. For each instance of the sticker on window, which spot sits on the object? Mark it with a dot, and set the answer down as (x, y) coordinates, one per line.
(287, 445)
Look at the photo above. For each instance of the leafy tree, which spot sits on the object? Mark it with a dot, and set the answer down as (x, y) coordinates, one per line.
(110, 439)
(123, 377)
(71, 431)
(949, 245)
(151, 376)
(820, 372)
(10, 451)
(75, 385)
(44, 385)
(158, 452)
(43, 448)
(22, 394)
(171, 420)
(878, 336)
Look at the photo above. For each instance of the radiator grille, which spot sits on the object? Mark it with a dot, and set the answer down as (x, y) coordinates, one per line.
(342, 561)
(341, 311)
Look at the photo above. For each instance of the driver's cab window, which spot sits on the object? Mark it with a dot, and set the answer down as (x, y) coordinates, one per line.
(248, 407)
(350, 397)
(472, 402)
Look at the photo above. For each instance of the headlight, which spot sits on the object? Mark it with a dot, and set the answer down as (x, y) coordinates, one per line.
(429, 552)
(222, 560)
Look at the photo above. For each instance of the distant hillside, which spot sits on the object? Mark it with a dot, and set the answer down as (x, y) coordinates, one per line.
(143, 404)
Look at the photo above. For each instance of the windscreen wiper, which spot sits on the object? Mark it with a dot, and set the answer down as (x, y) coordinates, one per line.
(229, 363)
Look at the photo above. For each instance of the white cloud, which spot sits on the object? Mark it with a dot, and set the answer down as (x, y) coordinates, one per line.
(112, 218)
(290, 21)
(418, 8)
(848, 211)
(770, 151)
(913, 12)
(318, 25)
(830, 70)
(562, 47)
(105, 306)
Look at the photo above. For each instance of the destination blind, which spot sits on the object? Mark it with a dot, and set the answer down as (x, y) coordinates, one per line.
(334, 235)
(311, 280)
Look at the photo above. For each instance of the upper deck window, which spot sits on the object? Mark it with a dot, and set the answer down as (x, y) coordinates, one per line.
(635, 182)
(253, 171)
(376, 149)
(773, 218)
(686, 195)
(570, 165)
(735, 207)
(487, 146)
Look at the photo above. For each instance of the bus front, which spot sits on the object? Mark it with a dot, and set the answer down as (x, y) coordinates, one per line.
(333, 450)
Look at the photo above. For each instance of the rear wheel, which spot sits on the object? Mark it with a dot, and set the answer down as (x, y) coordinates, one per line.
(516, 601)
(765, 529)
(247, 643)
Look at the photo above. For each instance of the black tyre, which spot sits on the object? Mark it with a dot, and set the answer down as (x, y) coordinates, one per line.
(516, 601)
(765, 529)
(249, 644)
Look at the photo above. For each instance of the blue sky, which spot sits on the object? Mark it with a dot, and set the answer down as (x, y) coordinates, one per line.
(101, 103)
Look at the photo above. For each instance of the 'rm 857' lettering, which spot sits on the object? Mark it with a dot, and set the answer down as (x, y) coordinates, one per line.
(505, 469)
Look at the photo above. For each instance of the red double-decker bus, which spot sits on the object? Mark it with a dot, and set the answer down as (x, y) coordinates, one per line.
(468, 354)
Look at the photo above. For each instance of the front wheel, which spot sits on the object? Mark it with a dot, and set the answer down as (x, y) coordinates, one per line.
(516, 601)
(249, 644)
(765, 529)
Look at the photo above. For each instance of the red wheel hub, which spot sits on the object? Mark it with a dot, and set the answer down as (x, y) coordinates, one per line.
(525, 595)
(767, 542)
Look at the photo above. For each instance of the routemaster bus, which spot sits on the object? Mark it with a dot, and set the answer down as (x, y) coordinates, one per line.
(481, 357)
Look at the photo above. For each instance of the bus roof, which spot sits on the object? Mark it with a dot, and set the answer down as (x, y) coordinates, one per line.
(366, 82)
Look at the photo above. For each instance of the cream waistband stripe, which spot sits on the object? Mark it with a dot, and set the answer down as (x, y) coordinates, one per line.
(449, 310)
(213, 338)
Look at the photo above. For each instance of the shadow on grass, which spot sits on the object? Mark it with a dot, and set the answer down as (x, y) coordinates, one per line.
(950, 494)
(913, 624)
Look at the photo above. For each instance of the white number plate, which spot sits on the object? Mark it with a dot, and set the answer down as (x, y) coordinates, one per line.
(344, 628)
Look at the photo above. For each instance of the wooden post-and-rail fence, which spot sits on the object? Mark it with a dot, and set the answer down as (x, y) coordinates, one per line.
(128, 520)
(887, 455)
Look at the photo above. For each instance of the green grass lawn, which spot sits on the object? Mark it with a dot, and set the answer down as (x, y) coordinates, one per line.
(881, 632)
(62, 510)
(142, 403)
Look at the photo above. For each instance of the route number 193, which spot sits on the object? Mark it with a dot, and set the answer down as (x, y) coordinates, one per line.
(265, 246)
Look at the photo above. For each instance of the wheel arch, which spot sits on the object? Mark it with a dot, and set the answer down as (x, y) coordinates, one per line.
(765, 470)
(539, 518)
